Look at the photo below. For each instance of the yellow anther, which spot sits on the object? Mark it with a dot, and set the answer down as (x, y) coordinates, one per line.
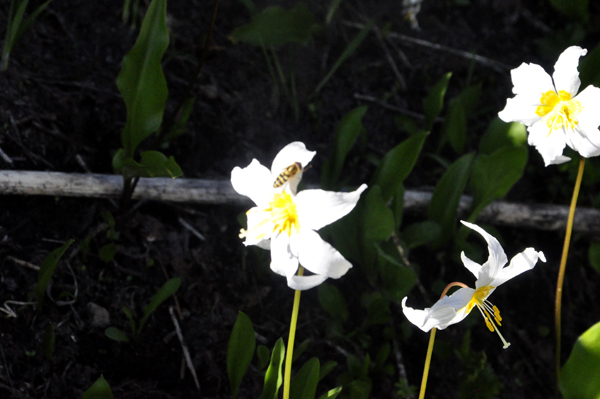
(489, 324)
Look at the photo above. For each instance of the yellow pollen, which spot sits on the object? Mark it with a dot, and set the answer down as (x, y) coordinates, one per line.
(559, 109)
(283, 214)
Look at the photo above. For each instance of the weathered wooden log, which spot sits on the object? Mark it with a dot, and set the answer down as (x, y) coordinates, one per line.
(220, 192)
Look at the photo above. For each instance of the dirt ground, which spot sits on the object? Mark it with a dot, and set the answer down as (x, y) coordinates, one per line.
(59, 101)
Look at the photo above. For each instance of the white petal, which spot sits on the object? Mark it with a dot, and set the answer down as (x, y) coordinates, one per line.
(469, 264)
(585, 139)
(318, 256)
(445, 312)
(522, 262)
(253, 181)
(305, 282)
(318, 208)
(521, 109)
(531, 79)
(260, 227)
(549, 143)
(566, 75)
(416, 316)
(290, 154)
(496, 260)
(283, 262)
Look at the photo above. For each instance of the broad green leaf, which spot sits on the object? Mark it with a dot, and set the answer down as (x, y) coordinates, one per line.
(351, 48)
(169, 288)
(455, 126)
(397, 164)
(421, 233)
(304, 384)
(300, 349)
(397, 279)
(332, 394)
(275, 26)
(579, 376)
(129, 316)
(469, 98)
(240, 351)
(327, 368)
(99, 390)
(434, 101)
(179, 128)
(263, 356)
(108, 252)
(397, 206)
(577, 10)
(443, 207)
(501, 134)
(273, 377)
(493, 175)
(48, 341)
(332, 300)
(46, 272)
(378, 224)
(116, 335)
(594, 255)
(141, 81)
(346, 134)
(378, 312)
(152, 164)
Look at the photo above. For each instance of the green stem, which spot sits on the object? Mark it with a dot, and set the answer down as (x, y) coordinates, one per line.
(290, 346)
(427, 363)
(561, 270)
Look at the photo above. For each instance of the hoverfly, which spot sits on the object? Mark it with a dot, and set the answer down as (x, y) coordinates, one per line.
(287, 174)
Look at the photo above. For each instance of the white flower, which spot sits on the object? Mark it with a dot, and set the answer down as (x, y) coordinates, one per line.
(286, 222)
(454, 308)
(555, 115)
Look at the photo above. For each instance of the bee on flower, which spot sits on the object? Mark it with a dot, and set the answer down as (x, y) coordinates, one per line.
(286, 221)
(454, 308)
(554, 113)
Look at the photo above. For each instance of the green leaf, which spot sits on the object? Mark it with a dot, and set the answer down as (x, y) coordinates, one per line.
(579, 376)
(99, 390)
(332, 300)
(48, 341)
(141, 81)
(397, 279)
(434, 101)
(351, 48)
(274, 377)
(300, 349)
(46, 272)
(501, 134)
(455, 126)
(577, 10)
(397, 206)
(169, 288)
(179, 128)
(594, 255)
(108, 252)
(421, 233)
(378, 224)
(263, 355)
(443, 207)
(397, 164)
(304, 384)
(152, 164)
(346, 134)
(116, 335)
(493, 175)
(327, 368)
(332, 394)
(240, 351)
(129, 316)
(275, 26)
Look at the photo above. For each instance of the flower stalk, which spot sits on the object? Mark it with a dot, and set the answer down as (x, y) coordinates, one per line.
(287, 378)
(563, 265)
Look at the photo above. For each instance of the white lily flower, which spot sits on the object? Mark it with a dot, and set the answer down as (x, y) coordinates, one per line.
(454, 308)
(286, 222)
(555, 115)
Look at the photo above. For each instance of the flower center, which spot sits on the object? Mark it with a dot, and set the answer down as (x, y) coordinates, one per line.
(559, 109)
(283, 214)
(490, 312)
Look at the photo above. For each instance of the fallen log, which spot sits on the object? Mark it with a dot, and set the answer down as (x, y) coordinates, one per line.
(220, 192)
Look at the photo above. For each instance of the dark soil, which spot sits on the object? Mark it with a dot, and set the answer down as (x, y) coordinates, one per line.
(59, 100)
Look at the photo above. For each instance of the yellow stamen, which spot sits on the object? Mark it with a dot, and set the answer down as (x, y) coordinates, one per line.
(489, 311)
(281, 213)
(559, 109)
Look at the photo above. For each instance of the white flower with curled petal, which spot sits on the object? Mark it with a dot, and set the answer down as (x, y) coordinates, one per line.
(286, 222)
(454, 308)
(555, 115)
